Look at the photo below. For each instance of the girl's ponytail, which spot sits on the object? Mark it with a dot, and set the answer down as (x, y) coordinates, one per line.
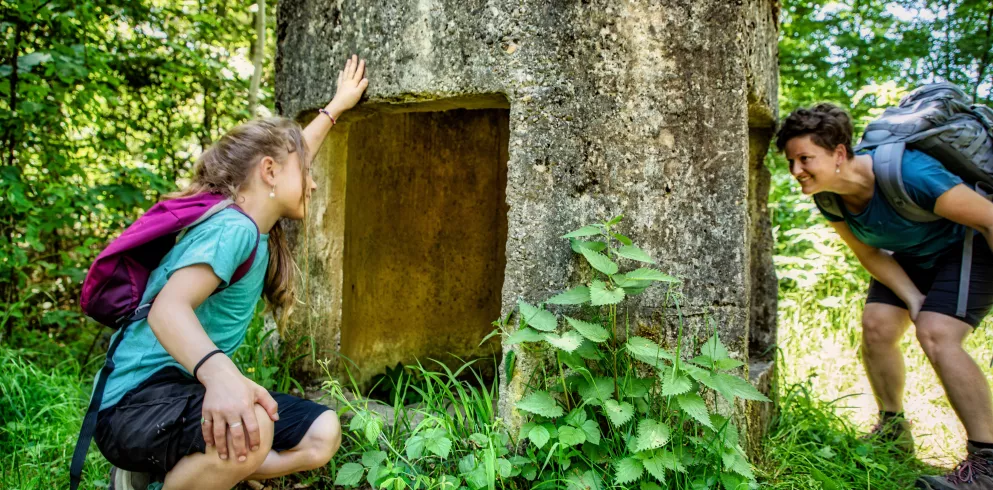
(278, 289)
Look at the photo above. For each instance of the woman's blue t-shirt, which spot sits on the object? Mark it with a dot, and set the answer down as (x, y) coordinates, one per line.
(224, 241)
(880, 226)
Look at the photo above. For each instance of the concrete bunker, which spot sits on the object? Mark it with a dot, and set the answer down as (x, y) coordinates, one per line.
(424, 221)
(658, 111)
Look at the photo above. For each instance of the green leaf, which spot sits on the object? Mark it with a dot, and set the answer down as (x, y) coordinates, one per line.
(504, 468)
(647, 485)
(674, 382)
(623, 281)
(651, 435)
(539, 436)
(732, 386)
(571, 436)
(372, 429)
(587, 230)
(628, 470)
(349, 475)
(568, 341)
(714, 349)
(634, 253)
(373, 475)
(654, 468)
(537, 317)
(540, 403)
(599, 261)
(615, 220)
(439, 446)
(591, 331)
(575, 296)
(664, 459)
(733, 482)
(479, 439)
(592, 431)
(524, 334)
(621, 238)
(619, 413)
(415, 447)
(588, 350)
(647, 351)
(650, 275)
(693, 405)
(579, 245)
(600, 295)
(373, 458)
(576, 417)
(736, 462)
(728, 364)
(595, 393)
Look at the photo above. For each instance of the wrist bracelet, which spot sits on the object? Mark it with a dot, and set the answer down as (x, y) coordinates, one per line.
(197, 368)
(326, 113)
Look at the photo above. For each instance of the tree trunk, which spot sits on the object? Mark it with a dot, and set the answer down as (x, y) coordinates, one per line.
(258, 56)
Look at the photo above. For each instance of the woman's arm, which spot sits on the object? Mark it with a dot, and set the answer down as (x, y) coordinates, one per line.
(351, 84)
(964, 206)
(884, 268)
(230, 397)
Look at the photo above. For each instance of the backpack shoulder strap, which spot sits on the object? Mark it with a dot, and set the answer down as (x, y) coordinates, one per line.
(829, 203)
(887, 164)
(247, 264)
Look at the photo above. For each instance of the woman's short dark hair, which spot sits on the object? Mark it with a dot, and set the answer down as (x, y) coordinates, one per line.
(827, 124)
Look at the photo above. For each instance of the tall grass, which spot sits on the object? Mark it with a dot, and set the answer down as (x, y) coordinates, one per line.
(41, 410)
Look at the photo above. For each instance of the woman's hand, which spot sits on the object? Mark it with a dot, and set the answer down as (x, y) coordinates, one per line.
(351, 84)
(229, 405)
(914, 305)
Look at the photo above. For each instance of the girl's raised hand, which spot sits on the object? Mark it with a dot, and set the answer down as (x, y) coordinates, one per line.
(351, 84)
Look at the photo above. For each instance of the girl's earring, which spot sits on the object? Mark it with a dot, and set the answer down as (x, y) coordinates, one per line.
(272, 194)
(837, 170)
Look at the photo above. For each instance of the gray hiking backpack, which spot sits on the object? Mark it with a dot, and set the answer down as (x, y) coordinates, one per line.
(940, 120)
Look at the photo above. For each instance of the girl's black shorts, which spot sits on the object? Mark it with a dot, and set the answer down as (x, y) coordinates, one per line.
(158, 423)
(941, 283)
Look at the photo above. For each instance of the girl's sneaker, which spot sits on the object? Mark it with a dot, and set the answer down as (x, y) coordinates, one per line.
(128, 480)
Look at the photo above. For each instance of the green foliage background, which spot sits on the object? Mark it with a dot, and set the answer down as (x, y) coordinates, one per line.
(104, 106)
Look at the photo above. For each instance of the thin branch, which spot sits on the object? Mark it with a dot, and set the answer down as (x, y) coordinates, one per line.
(985, 60)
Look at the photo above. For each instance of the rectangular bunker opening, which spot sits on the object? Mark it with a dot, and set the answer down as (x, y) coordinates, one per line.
(425, 231)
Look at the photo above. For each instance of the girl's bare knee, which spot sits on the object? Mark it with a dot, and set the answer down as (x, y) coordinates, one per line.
(323, 439)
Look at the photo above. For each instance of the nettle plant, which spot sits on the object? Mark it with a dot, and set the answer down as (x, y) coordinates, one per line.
(609, 413)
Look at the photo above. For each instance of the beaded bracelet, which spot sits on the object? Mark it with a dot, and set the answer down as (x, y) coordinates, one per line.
(326, 113)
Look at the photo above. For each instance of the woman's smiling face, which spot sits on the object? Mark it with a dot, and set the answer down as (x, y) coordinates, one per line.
(813, 166)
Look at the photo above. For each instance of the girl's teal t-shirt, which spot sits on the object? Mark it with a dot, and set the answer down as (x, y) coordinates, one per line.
(224, 241)
(880, 226)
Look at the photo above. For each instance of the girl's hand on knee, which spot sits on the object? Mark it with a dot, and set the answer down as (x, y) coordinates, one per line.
(351, 84)
(229, 410)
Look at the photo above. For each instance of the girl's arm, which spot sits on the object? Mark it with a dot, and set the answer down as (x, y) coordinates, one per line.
(884, 268)
(964, 206)
(230, 397)
(351, 84)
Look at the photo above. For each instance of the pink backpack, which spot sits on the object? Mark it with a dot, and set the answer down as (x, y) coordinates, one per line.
(116, 281)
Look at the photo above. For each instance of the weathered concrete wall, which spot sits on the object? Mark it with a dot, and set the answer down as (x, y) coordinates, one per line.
(654, 110)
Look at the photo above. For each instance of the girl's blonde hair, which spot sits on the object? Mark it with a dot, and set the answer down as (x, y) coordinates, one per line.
(227, 164)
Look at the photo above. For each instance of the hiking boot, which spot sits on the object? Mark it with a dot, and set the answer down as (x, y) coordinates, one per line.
(128, 480)
(892, 433)
(975, 473)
